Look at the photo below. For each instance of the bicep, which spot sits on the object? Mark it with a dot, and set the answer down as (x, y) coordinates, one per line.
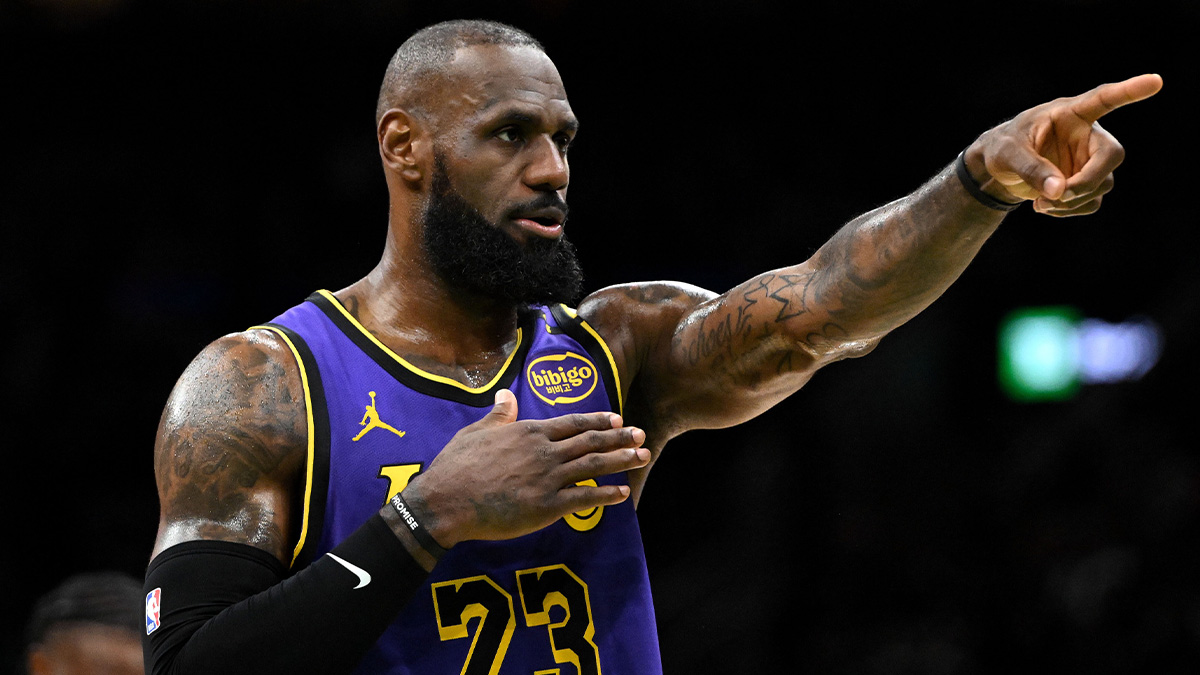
(704, 360)
(732, 357)
(230, 444)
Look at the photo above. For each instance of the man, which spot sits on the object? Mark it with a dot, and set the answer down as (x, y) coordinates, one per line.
(479, 518)
(87, 625)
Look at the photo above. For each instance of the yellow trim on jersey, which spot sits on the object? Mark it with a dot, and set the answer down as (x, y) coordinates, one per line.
(308, 416)
(612, 363)
(415, 370)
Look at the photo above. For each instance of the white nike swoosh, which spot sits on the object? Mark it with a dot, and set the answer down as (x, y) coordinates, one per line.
(364, 577)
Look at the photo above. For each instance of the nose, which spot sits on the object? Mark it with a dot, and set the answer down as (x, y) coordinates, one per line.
(547, 170)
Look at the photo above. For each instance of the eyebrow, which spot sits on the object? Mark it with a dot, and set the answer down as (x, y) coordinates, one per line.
(571, 124)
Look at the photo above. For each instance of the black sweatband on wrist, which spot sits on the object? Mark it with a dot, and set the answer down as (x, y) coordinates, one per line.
(964, 177)
(418, 530)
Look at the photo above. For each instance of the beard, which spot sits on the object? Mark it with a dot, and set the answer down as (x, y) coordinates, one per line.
(471, 254)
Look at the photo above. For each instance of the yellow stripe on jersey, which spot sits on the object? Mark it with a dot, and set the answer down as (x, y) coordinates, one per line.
(429, 376)
(612, 363)
(308, 415)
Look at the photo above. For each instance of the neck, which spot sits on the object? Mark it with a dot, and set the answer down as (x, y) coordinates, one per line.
(407, 306)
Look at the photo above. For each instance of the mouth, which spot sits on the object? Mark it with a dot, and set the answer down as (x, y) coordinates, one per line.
(546, 222)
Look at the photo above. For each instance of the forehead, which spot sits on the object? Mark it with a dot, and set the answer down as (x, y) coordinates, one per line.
(487, 78)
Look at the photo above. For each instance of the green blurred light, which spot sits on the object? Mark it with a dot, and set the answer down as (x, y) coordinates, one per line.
(1039, 354)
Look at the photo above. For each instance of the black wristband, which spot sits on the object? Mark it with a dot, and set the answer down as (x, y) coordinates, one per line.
(964, 177)
(425, 539)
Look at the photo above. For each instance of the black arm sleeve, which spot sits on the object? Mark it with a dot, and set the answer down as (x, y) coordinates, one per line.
(227, 608)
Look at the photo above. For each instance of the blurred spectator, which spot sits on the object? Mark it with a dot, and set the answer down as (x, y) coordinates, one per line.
(89, 625)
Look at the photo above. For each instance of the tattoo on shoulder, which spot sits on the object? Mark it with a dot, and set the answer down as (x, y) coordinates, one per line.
(235, 421)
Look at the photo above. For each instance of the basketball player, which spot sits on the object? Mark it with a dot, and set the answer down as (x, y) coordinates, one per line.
(480, 516)
(87, 625)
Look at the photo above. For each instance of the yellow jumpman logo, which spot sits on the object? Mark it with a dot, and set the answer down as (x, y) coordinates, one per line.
(373, 415)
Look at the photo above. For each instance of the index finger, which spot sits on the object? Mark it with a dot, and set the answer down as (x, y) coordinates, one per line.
(1106, 98)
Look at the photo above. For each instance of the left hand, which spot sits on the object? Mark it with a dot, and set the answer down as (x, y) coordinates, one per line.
(1056, 154)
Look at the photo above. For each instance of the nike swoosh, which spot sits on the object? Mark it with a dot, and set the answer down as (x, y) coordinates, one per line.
(364, 577)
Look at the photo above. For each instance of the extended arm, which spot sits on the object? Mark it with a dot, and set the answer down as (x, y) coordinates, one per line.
(695, 359)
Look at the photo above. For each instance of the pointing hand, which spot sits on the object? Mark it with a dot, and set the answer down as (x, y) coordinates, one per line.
(1056, 154)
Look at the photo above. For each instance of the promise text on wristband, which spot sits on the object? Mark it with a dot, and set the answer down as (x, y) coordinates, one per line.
(422, 535)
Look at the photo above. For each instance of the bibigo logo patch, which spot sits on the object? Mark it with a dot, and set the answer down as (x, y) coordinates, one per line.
(562, 378)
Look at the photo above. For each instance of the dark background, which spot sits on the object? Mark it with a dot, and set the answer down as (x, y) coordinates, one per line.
(173, 171)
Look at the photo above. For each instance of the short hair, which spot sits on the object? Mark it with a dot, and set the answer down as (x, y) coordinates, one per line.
(93, 598)
(424, 55)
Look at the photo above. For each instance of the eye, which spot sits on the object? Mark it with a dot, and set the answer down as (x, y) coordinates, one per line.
(509, 135)
(564, 142)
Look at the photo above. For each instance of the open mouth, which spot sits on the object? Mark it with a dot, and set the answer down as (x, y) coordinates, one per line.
(541, 224)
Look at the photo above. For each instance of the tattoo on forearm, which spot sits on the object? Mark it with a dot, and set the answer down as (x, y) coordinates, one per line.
(770, 333)
(877, 271)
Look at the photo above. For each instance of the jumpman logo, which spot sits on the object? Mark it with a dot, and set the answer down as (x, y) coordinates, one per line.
(371, 421)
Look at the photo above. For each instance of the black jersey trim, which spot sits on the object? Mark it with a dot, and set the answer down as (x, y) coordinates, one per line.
(418, 379)
(573, 325)
(311, 503)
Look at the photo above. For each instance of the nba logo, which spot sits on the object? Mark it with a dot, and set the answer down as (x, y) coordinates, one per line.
(152, 610)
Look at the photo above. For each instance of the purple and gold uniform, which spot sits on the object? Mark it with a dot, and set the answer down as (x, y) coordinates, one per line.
(573, 597)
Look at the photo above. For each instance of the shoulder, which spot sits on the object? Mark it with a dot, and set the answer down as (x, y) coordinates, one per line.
(253, 367)
(634, 310)
(638, 322)
(232, 439)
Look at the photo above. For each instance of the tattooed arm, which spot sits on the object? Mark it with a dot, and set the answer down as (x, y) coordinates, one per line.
(229, 459)
(231, 447)
(693, 359)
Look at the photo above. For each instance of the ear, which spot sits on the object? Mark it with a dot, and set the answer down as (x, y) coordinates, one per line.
(399, 145)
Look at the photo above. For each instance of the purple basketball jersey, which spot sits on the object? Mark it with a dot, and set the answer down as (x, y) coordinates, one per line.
(571, 598)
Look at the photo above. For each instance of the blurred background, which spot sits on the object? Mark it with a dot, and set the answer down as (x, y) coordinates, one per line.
(174, 171)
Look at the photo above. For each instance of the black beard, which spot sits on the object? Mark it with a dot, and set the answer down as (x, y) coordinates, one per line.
(472, 254)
